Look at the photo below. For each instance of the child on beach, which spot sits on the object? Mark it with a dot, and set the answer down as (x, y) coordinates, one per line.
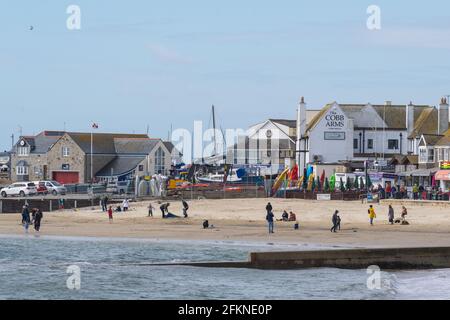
(150, 210)
(110, 214)
(372, 214)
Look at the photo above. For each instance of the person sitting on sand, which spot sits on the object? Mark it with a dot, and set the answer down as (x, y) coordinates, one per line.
(292, 216)
(205, 224)
(285, 216)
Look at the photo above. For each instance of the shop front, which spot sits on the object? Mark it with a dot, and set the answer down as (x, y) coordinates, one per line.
(442, 178)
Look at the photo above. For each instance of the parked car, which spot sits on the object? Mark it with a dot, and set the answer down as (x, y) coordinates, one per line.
(53, 187)
(41, 188)
(120, 187)
(21, 189)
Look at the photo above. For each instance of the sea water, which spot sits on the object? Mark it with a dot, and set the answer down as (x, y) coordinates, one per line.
(37, 268)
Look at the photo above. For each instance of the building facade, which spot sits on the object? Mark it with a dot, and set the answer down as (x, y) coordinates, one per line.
(72, 157)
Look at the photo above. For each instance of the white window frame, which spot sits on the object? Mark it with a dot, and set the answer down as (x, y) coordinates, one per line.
(23, 151)
(22, 171)
(65, 151)
(423, 154)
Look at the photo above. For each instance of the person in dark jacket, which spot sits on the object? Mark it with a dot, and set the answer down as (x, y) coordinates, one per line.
(391, 215)
(38, 215)
(185, 208)
(269, 208)
(335, 220)
(269, 218)
(26, 218)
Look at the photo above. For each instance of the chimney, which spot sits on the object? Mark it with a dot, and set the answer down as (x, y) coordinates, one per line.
(409, 118)
(443, 116)
(301, 130)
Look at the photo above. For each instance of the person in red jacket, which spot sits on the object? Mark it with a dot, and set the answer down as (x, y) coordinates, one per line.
(110, 214)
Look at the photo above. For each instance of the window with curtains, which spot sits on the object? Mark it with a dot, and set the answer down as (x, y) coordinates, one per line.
(160, 156)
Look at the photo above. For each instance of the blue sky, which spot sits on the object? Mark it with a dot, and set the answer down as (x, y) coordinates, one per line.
(157, 63)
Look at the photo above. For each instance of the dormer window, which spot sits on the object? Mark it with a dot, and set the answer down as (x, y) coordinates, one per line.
(23, 151)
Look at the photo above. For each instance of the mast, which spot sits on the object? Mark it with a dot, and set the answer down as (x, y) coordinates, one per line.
(214, 128)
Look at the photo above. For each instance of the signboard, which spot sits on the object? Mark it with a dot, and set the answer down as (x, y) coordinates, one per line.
(334, 135)
(445, 165)
(335, 120)
(323, 196)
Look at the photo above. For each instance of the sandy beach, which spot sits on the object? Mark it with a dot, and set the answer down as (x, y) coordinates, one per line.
(244, 220)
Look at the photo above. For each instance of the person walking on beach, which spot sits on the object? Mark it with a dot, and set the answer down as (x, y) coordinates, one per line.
(372, 214)
(404, 213)
(269, 208)
(150, 210)
(110, 214)
(334, 220)
(125, 205)
(269, 218)
(391, 215)
(185, 208)
(105, 203)
(25, 218)
(38, 215)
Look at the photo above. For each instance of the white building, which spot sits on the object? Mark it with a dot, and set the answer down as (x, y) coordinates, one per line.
(358, 132)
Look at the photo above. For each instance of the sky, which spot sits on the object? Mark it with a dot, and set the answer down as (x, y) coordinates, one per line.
(162, 64)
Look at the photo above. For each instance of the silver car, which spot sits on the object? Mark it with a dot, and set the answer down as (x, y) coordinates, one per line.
(53, 187)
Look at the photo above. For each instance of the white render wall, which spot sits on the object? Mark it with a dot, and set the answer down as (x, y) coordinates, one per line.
(331, 150)
(379, 137)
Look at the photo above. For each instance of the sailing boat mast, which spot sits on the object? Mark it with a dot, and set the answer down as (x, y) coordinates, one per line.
(214, 128)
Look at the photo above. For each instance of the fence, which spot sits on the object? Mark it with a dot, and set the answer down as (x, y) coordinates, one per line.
(310, 195)
(46, 205)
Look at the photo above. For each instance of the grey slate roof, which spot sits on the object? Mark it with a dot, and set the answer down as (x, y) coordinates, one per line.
(42, 142)
(121, 165)
(134, 146)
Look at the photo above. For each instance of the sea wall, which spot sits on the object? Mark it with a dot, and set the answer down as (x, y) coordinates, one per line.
(386, 258)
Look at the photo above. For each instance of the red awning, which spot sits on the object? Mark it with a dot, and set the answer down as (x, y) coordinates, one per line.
(443, 175)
